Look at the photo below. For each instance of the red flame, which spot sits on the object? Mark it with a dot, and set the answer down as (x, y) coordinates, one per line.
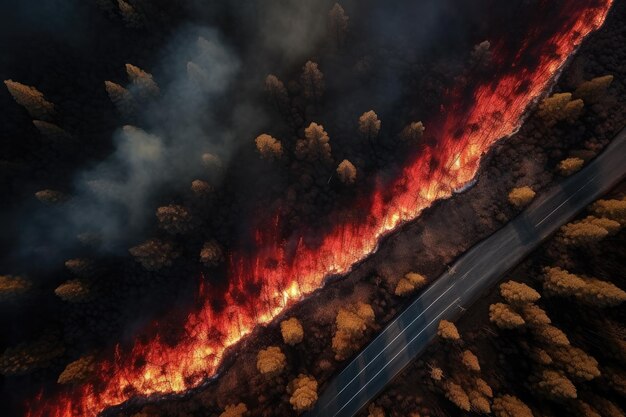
(264, 284)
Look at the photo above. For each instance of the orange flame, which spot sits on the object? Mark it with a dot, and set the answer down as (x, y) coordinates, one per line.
(262, 286)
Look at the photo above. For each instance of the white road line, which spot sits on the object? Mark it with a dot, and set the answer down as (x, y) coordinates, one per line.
(568, 199)
(393, 340)
(395, 356)
(399, 334)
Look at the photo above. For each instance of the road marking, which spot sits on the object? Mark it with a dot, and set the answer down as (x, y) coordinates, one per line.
(612, 147)
(393, 340)
(568, 199)
(395, 356)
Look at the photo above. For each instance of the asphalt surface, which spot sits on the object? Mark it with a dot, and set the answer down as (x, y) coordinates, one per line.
(466, 280)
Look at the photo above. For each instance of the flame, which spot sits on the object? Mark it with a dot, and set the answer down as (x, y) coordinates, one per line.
(262, 285)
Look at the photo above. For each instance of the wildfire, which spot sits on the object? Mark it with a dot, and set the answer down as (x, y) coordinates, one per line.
(263, 285)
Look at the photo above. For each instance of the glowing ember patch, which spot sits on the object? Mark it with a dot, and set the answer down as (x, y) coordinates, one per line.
(156, 367)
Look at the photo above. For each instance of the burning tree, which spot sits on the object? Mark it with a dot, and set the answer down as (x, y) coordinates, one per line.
(271, 361)
(413, 133)
(292, 331)
(346, 172)
(521, 196)
(312, 81)
(315, 146)
(369, 125)
(211, 253)
(338, 23)
(31, 99)
(268, 147)
(593, 90)
(303, 392)
(154, 254)
(174, 219)
(569, 166)
(121, 98)
(142, 81)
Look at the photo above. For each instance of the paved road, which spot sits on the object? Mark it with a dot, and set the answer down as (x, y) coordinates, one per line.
(476, 271)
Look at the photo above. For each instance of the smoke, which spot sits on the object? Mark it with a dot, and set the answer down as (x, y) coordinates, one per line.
(210, 80)
(115, 199)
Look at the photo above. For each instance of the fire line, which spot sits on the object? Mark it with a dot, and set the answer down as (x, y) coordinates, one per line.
(281, 277)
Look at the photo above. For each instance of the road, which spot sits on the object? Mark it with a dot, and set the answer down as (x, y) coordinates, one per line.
(469, 277)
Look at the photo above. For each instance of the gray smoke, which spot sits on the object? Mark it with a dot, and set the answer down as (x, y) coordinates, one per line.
(207, 104)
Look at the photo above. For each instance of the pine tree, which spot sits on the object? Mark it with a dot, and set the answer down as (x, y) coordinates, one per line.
(346, 172)
(312, 81)
(369, 125)
(31, 99)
